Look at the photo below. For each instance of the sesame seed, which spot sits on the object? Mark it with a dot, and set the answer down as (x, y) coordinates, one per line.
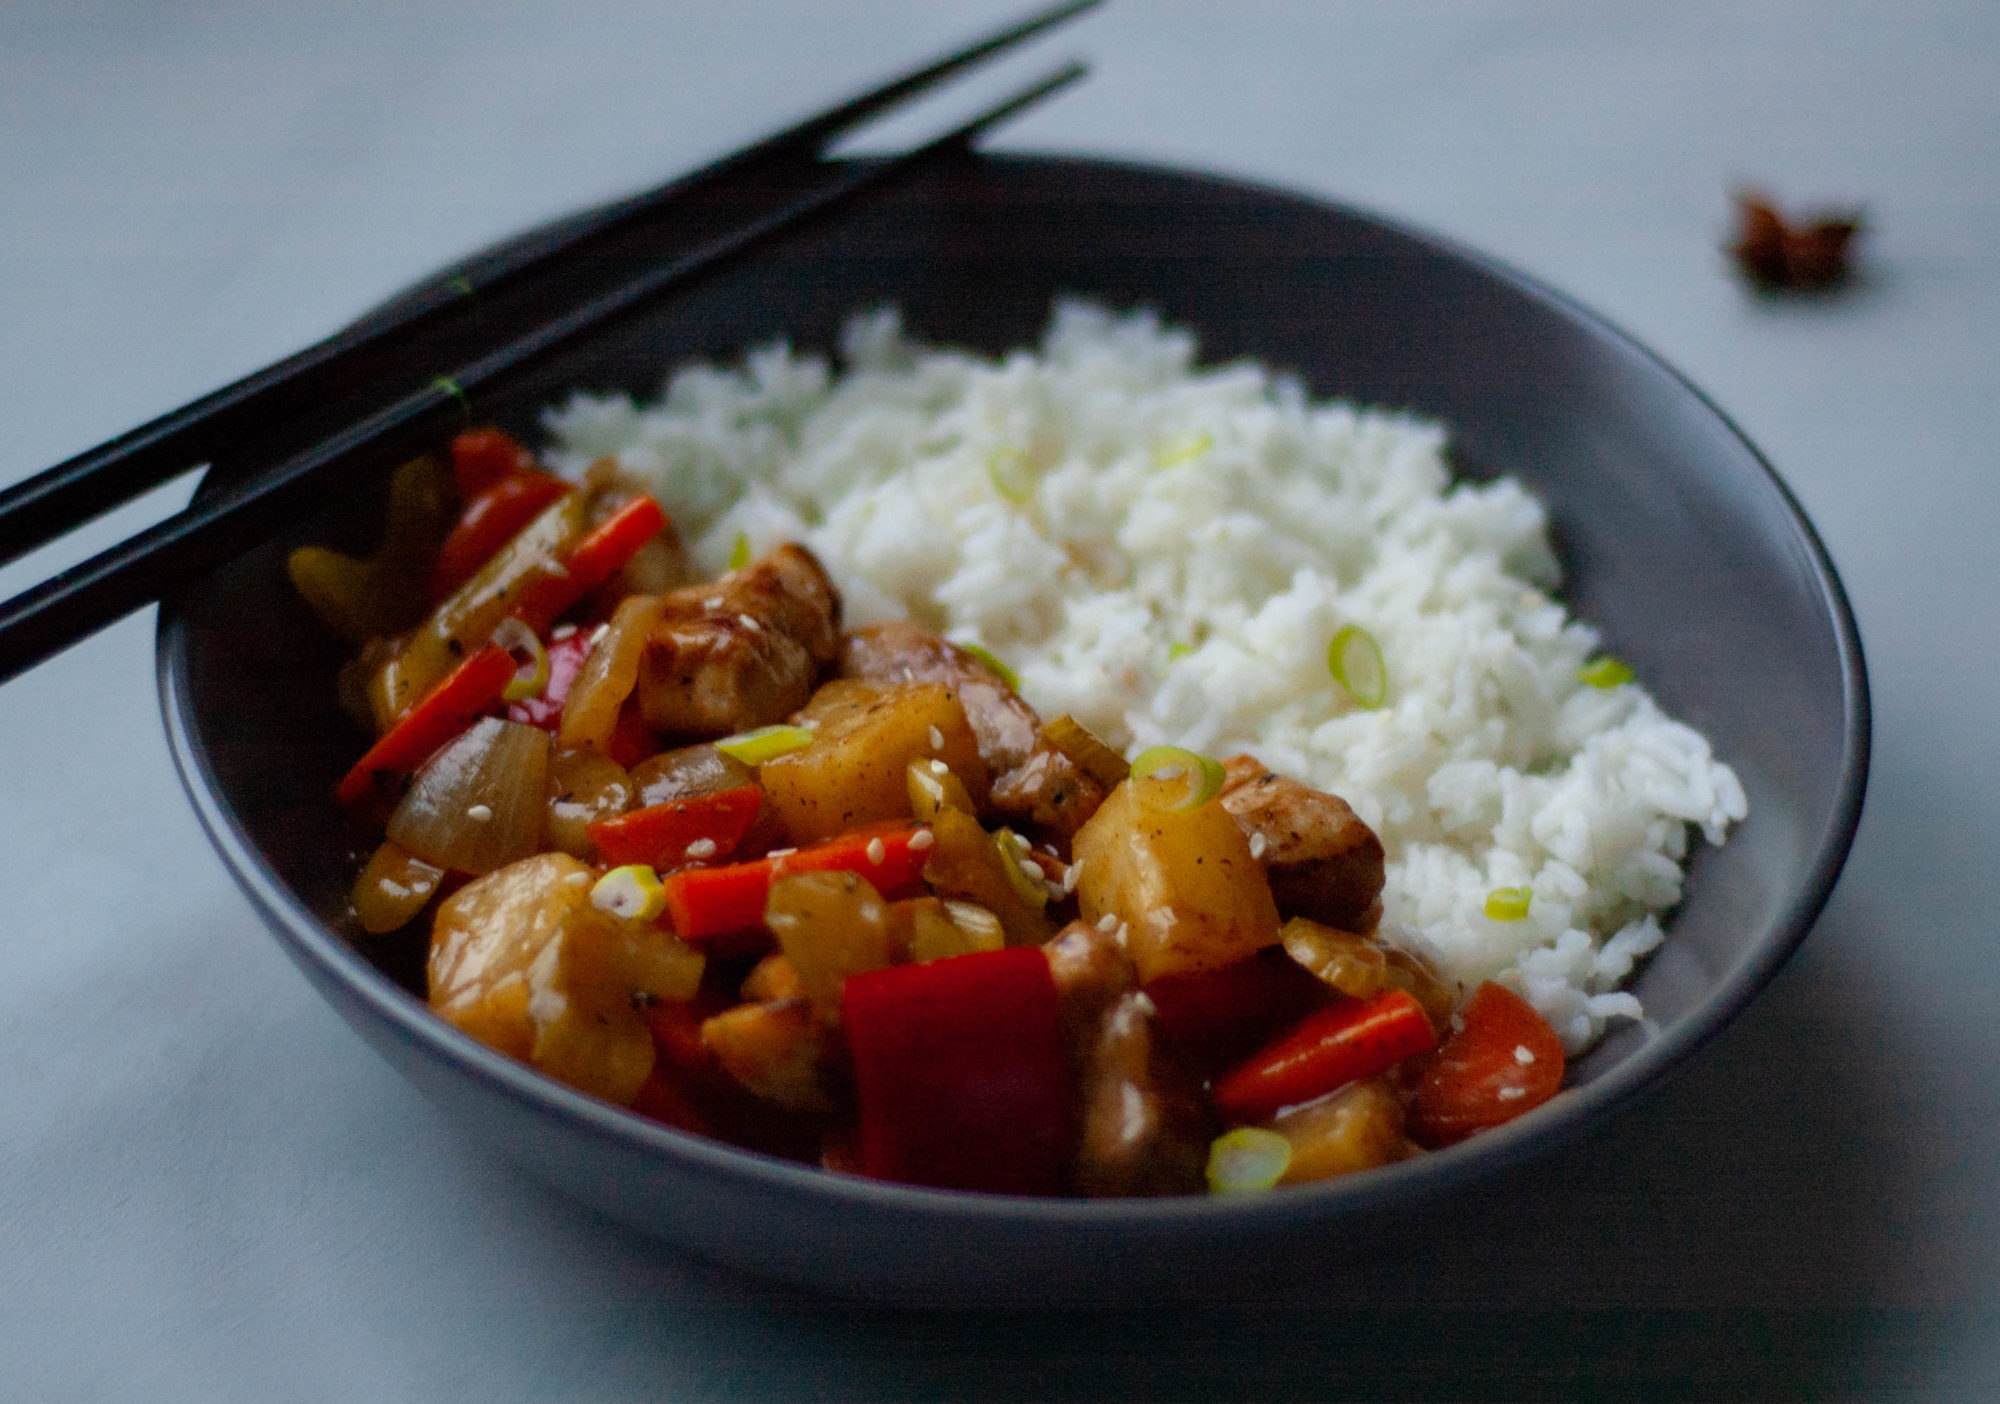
(1108, 923)
(877, 851)
(394, 888)
(1071, 876)
(749, 623)
(1258, 845)
(1523, 1054)
(714, 603)
(597, 634)
(700, 848)
(479, 813)
(922, 839)
(578, 879)
(1030, 869)
(937, 739)
(562, 631)
(781, 853)
(938, 767)
(1511, 1094)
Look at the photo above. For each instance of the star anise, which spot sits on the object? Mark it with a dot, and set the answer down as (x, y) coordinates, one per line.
(1775, 255)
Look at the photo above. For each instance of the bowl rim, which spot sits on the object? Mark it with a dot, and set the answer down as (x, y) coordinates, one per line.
(318, 947)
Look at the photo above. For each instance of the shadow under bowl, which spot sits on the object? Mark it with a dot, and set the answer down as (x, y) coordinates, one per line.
(1677, 541)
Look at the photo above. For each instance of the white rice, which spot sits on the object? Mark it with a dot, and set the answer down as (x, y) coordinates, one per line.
(1167, 552)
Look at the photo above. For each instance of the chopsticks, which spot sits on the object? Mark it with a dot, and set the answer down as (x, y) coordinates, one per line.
(481, 319)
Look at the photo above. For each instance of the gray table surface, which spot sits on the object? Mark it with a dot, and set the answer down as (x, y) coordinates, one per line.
(209, 1188)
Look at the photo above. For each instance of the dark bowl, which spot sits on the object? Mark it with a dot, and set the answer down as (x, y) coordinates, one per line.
(1678, 540)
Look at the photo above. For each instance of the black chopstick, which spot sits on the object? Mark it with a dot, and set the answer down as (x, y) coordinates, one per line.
(78, 602)
(291, 404)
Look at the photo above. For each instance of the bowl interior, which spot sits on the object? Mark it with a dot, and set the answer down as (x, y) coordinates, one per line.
(1676, 541)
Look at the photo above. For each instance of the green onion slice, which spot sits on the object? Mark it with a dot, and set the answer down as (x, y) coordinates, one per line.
(1604, 672)
(1181, 778)
(1012, 474)
(1177, 651)
(739, 554)
(1248, 1158)
(1182, 447)
(1014, 852)
(532, 674)
(1355, 660)
(632, 892)
(1508, 903)
(993, 665)
(765, 743)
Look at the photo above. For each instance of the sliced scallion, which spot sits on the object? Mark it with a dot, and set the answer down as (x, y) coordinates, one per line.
(1177, 651)
(1181, 448)
(1604, 671)
(765, 743)
(632, 892)
(1176, 778)
(532, 673)
(739, 554)
(1246, 1159)
(1508, 903)
(1012, 475)
(993, 665)
(1355, 660)
(1015, 863)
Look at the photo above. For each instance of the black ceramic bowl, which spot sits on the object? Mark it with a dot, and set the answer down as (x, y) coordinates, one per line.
(1678, 541)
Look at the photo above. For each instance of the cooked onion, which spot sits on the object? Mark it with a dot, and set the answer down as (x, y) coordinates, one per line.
(477, 804)
(609, 674)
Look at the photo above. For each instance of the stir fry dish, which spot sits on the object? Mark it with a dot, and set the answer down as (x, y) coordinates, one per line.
(845, 896)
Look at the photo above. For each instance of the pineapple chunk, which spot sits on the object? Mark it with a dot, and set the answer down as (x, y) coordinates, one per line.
(1182, 880)
(524, 963)
(1357, 1128)
(854, 772)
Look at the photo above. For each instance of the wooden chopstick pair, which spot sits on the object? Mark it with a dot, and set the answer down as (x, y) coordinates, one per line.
(303, 418)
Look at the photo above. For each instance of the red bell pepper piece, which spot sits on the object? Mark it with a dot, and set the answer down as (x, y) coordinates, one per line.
(482, 457)
(592, 561)
(961, 1072)
(490, 521)
(1347, 1040)
(631, 740)
(566, 659)
(1215, 1017)
(704, 903)
(1478, 1078)
(659, 834)
(466, 693)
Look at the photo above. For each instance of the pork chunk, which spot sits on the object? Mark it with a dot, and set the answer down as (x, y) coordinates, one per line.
(1323, 862)
(741, 652)
(903, 652)
(1144, 1128)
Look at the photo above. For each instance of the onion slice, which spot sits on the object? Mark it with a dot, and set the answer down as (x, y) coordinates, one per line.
(477, 804)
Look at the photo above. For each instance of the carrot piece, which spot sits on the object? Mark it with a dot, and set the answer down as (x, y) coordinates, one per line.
(592, 561)
(704, 903)
(482, 457)
(659, 834)
(1480, 1077)
(490, 521)
(447, 709)
(1345, 1041)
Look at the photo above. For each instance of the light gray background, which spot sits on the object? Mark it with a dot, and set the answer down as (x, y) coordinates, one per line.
(210, 1189)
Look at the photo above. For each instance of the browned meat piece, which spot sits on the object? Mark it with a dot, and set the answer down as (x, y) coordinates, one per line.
(1323, 862)
(1048, 795)
(903, 652)
(743, 651)
(1145, 1130)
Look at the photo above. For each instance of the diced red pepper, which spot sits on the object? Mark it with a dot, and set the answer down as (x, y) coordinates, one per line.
(1480, 1077)
(659, 834)
(490, 521)
(566, 659)
(592, 561)
(1347, 1040)
(705, 903)
(482, 457)
(961, 1073)
(467, 693)
(1214, 1017)
(631, 740)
